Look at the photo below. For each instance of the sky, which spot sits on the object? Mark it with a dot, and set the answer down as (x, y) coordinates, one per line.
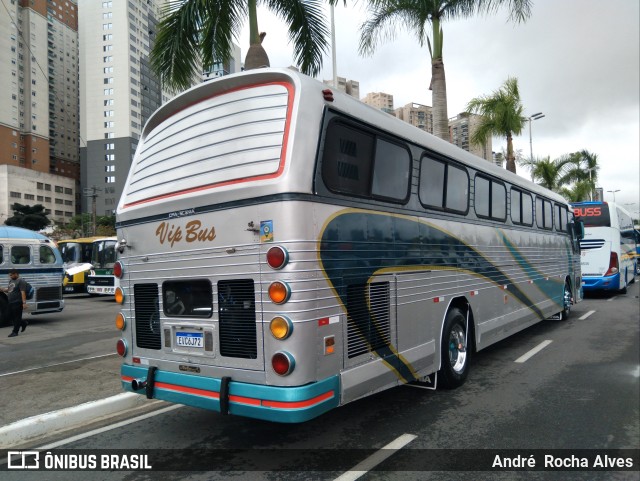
(576, 61)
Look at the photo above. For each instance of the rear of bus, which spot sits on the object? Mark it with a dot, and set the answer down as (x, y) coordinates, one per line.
(76, 255)
(213, 207)
(606, 252)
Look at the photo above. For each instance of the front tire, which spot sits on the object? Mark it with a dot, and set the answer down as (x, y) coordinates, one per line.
(455, 351)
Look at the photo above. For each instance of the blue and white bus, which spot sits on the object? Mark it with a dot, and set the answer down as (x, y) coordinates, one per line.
(38, 261)
(286, 249)
(608, 248)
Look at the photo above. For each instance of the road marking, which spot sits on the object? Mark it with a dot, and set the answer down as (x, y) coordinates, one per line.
(586, 315)
(111, 427)
(611, 298)
(57, 364)
(376, 458)
(534, 351)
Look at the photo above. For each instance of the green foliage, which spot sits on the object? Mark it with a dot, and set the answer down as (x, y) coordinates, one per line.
(28, 217)
(202, 31)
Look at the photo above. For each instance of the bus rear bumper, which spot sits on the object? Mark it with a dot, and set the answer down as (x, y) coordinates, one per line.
(601, 283)
(270, 403)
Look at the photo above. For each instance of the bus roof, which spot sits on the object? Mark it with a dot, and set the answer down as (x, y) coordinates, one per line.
(81, 240)
(10, 232)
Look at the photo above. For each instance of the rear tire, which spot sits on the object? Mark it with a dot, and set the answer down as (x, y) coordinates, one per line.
(566, 299)
(455, 351)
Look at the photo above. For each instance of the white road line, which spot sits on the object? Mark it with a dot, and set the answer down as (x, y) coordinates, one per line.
(88, 434)
(611, 298)
(376, 458)
(586, 315)
(534, 351)
(56, 364)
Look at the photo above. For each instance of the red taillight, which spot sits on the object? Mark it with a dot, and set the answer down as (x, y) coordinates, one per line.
(121, 347)
(613, 265)
(117, 270)
(282, 363)
(277, 257)
(327, 94)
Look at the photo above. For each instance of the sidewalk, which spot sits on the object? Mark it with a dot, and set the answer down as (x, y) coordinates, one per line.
(46, 402)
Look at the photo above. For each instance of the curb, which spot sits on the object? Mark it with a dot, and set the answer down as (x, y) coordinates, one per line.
(27, 429)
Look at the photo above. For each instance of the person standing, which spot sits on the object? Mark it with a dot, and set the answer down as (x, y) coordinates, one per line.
(17, 294)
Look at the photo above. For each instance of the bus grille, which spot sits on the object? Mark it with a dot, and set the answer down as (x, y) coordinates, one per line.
(591, 244)
(147, 308)
(49, 293)
(237, 316)
(367, 329)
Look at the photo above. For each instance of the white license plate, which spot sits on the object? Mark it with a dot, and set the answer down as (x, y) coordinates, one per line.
(190, 339)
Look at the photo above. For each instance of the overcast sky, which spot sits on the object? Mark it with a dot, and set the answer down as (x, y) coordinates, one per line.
(577, 61)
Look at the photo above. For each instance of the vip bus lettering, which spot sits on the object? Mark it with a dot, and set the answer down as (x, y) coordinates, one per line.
(193, 232)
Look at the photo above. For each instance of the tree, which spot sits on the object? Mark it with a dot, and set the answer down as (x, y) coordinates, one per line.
(553, 174)
(501, 114)
(414, 15)
(29, 217)
(192, 32)
(586, 171)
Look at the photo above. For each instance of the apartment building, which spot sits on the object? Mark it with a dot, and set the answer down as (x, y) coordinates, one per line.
(118, 92)
(417, 115)
(351, 87)
(461, 128)
(39, 119)
(380, 100)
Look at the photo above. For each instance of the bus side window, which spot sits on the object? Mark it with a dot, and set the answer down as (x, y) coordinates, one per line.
(20, 255)
(46, 255)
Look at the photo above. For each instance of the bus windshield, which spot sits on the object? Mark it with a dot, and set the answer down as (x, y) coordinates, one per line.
(75, 252)
(104, 254)
(593, 215)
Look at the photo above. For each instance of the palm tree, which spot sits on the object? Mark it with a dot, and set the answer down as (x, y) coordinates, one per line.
(553, 174)
(501, 114)
(586, 171)
(194, 34)
(414, 15)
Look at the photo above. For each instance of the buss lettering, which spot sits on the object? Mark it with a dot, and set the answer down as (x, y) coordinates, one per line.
(587, 212)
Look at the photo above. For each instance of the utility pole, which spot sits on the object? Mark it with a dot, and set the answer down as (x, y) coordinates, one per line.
(93, 193)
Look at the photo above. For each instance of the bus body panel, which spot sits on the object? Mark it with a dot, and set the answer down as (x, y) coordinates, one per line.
(366, 284)
(39, 262)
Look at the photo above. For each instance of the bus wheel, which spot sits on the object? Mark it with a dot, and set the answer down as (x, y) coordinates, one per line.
(455, 351)
(566, 299)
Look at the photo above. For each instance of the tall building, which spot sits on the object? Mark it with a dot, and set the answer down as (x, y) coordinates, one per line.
(233, 65)
(39, 120)
(417, 115)
(118, 93)
(380, 100)
(351, 87)
(461, 128)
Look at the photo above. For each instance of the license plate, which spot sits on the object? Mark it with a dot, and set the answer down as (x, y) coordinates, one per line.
(68, 289)
(190, 339)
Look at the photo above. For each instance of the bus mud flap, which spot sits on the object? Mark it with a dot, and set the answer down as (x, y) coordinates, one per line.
(224, 395)
(151, 381)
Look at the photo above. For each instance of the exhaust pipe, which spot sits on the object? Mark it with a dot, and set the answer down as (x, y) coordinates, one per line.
(138, 384)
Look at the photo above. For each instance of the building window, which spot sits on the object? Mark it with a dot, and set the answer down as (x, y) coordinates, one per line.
(110, 179)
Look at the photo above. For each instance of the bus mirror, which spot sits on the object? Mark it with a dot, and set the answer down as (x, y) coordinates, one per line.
(578, 227)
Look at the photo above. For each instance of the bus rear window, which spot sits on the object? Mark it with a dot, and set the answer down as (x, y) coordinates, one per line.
(593, 215)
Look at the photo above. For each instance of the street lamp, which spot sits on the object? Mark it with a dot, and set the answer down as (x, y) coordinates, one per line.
(614, 194)
(537, 116)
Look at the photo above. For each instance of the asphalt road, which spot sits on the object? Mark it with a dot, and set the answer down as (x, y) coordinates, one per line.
(579, 390)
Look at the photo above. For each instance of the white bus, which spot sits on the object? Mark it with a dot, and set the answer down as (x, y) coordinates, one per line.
(286, 249)
(38, 261)
(608, 248)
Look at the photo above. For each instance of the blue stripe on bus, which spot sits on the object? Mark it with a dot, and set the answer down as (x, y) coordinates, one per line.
(356, 244)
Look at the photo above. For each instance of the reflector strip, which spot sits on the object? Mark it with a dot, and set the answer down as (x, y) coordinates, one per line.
(438, 299)
(298, 404)
(474, 293)
(328, 320)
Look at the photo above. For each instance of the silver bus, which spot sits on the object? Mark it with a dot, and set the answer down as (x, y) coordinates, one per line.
(286, 249)
(38, 261)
